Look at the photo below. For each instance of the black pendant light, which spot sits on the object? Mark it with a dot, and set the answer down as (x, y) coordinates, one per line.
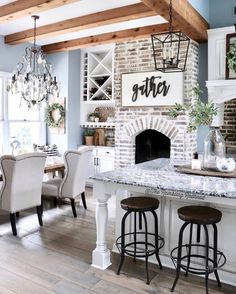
(170, 49)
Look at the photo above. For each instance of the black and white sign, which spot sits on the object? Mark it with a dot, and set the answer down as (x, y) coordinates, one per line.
(152, 88)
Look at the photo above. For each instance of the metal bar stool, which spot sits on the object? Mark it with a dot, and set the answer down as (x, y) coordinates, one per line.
(213, 259)
(128, 243)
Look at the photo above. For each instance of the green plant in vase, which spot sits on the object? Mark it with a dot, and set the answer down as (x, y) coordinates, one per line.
(199, 113)
(231, 57)
(89, 136)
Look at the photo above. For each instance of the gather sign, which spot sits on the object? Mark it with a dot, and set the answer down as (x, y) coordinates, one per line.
(152, 88)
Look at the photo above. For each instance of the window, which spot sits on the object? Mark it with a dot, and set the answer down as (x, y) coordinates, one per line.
(1, 113)
(19, 127)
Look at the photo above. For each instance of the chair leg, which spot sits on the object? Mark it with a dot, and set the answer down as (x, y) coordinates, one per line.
(41, 206)
(122, 253)
(215, 246)
(206, 257)
(17, 214)
(146, 247)
(72, 201)
(190, 249)
(39, 213)
(156, 238)
(83, 200)
(55, 201)
(180, 243)
(13, 223)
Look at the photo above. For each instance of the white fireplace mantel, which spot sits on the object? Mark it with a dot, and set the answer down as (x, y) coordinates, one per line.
(220, 91)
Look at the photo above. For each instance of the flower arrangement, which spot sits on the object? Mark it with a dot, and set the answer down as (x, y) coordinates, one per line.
(93, 116)
(199, 113)
(50, 120)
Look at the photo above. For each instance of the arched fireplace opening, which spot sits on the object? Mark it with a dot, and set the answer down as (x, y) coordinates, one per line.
(151, 144)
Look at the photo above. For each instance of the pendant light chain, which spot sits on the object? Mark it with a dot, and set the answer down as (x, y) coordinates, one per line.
(34, 50)
(34, 32)
(170, 17)
(170, 49)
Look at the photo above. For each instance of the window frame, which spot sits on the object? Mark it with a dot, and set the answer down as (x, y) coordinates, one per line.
(6, 121)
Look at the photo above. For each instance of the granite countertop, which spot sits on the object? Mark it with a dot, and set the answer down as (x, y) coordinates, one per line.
(159, 176)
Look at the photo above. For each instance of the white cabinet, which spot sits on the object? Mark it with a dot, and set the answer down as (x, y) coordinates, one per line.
(103, 160)
(96, 83)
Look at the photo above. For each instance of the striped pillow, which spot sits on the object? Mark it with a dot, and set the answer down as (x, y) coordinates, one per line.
(51, 150)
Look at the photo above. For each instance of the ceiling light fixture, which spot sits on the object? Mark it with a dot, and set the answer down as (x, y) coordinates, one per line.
(33, 79)
(170, 49)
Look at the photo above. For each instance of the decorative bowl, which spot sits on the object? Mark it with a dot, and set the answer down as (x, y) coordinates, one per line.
(226, 165)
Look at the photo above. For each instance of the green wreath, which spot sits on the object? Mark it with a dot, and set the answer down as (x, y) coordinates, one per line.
(49, 118)
(231, 57)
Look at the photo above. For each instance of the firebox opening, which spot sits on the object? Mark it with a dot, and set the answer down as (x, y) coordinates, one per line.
(151, 144)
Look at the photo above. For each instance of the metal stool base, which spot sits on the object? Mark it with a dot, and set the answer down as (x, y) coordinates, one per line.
(201, 269)
(139, 248)
(140, 252)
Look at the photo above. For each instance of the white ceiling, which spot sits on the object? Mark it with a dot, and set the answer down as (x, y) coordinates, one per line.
(76, 9)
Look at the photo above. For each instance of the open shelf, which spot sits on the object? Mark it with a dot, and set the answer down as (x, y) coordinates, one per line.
(97, 83)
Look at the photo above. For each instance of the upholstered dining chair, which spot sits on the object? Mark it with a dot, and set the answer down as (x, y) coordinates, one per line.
(22, 183)
(74, 180)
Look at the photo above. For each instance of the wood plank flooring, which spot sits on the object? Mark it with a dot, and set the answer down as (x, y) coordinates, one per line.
(56, 258)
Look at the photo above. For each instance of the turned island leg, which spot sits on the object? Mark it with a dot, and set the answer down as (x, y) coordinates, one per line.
(101, 254)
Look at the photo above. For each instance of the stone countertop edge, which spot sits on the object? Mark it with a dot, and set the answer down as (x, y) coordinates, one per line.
(160, 178)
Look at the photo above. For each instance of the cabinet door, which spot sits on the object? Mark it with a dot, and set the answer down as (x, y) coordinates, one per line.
(91, 167)
(105, 164)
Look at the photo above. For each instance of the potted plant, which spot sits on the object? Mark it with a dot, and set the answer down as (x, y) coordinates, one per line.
(199, 113)
(231, 57)
(88, 136)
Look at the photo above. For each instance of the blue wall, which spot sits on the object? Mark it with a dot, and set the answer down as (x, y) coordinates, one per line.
(221, 13)
(10, 55)
(59, 63)
(66, 66)
(74, 130)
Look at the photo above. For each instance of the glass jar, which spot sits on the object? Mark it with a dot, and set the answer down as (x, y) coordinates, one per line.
(214, 146)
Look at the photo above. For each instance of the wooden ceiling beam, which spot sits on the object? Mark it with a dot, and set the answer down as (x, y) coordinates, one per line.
(18, 9)
(114, 37)
(185, 17)
(107, 17)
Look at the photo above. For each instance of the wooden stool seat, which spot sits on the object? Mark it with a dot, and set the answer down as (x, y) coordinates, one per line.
(201, 215)
(141, 203)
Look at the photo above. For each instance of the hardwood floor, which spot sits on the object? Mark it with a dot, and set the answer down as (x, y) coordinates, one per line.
(56, 258)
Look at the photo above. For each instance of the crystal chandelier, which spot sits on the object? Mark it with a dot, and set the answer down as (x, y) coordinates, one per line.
(170, 49)
(33, 79)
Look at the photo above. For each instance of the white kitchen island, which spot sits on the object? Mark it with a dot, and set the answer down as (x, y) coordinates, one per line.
(158, 178)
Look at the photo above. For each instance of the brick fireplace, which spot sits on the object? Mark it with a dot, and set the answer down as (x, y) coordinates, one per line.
(151, 144)
(136, 56)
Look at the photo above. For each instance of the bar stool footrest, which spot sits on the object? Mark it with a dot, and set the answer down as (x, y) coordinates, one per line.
(129, 247)
(201, 269)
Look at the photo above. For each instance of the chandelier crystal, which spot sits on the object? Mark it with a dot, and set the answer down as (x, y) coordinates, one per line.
(32, 79)
(170, 49)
